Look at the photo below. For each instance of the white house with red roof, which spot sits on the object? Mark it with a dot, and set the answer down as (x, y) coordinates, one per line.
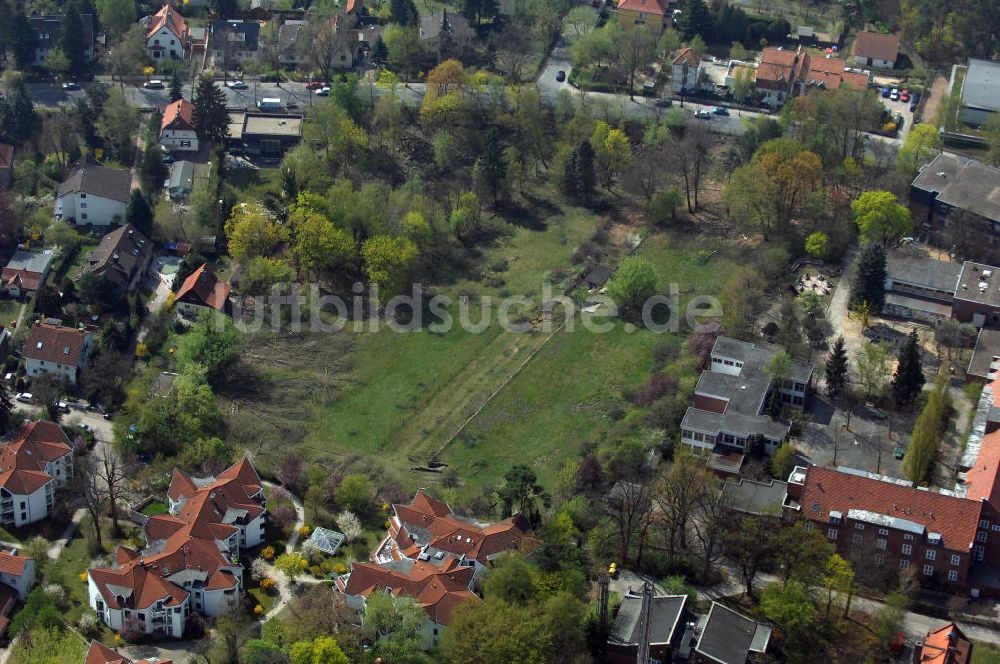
(177, 127)
(202, 290)
(167, 34)
(55, 349)
(98, 653)
(34, 463)
(17, 572)
(686, 71)
(188, 564)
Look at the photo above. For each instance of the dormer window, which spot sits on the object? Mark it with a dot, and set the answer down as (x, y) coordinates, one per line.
(835, 518)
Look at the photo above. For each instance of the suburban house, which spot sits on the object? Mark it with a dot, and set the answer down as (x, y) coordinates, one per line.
(444, 32)
(36, 461)
(731, 400)
(951, 182)
(724, 636)
(93, 194)
(177, 128)
(180, 184)
(874, 49)
(655, 14)
(202, 290)
(166, 35)
(919, 288)
(686, 71)
(123, 257)
(98, 653)
(665, 617)
(17, 573)
(980, 94)
(289, 46)
(782, 74)
(188, 563)
(54, 349)
(6, 164)
(439, 587)
(977, 295)
(947, 645)
(48, 32)
(265, 136)
(26, 272)
(232, 43)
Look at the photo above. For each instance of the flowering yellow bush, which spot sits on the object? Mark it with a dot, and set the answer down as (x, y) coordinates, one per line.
(304, 531)
(258, 609)
(340, 568)
(118, 638)
(267, 553)
(303, 563)
(267, 583)
(83, 576)
(141, 350)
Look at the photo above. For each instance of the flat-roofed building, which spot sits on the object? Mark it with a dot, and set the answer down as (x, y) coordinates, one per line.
(266, 136)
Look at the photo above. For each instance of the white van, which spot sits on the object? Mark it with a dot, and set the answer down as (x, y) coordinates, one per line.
(270, 104)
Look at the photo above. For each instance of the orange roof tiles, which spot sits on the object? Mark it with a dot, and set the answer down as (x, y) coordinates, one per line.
(13, 564)
(659, 7)
(23, 459)
(955, 518)
(946, 646)
(178, 115)
(55, 344)
(438, 590)
(98, 653)
(688, 57)
(203, 288)
(169, 18)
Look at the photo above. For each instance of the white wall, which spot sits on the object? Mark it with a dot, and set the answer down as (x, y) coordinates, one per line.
(38, 367)
(22, 584)
(100, 211)
(36, 506)
(254, 532)
(171, 46)
(179, 140)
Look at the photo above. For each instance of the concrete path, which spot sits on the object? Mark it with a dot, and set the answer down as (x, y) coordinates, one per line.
(283, 585)
(56, 549)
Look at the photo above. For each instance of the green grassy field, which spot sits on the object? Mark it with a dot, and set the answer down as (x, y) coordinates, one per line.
(985, 653)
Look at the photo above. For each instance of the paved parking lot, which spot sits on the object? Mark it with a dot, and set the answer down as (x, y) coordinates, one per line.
(858, 437)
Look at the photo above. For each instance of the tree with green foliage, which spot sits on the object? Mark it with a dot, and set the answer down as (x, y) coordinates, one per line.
(817, 244)
(139, 213)
(56, 63)
(495, 632)
(128, 56)
(397, 622)
(871, 366)
(404, 50)
(321, 650)
(213, 342)
(908, 381)
(792, 607)
(355, 493)
(480, 10)
(490, 170)
(661, 210)
(176, 86)
(890, 619)
(927, 432)
(404, 12)
(318, 246)
(697, 20)
(252, 231)
(612, 153)
(579, 177)
(40, 611)
(6, 407)
(116, 125)
(152, 170)
(211, 119)
(921, 145)
(331, 128)
(49, 645)
(71, 41)
(783, 460)
(632, 284)
(869, 278)
(521, 492)
(117, 16)
(838, 577)
(24, 39)
(837, 369)
(512, 580)
(262, 651)
(388, 262)
(881, 218)
(636, 49)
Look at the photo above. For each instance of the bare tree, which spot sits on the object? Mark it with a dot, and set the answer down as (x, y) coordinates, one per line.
(750, 546)
(60, 136)
(636, 50)
(514, 50)
(86, 484)
(712, 513)
(691, 160)
(629, 507)
(676, 493)
(324, 42)
(111, 472)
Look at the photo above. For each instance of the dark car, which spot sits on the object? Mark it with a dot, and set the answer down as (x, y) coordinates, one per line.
(886, 91)
(168, 158)
(720, 110)
(560, 76)
(663, 103)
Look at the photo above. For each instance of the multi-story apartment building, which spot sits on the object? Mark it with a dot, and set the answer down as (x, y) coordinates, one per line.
(35, 462)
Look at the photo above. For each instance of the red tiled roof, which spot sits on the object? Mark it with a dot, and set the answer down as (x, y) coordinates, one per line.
(659, 7)
(956, 519)
(946, 646)
(26, 279)
(133, 586)
(13, 564)
(98, 653)
(876, 45)
(23, 459)
(55, 344)
(688, 57)
(179, 115)
(438, 590)
(169, 18)
(203, 288)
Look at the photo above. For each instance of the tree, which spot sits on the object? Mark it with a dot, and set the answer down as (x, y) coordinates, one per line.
(152, 170)
(750, 544)
(355, 493)
(920, 147)
(24, 40)
(176, 86)
(6, 407)
(117, 124)
(662, 207)
(630, 509)
(252, 231)
(57, 63)
(211, 119)
(743, 84)
(49, 645)
(514, 50)
(783, 460)
(128, 56)
(580, 178)
(881, 218)
(632, 284)
(838, 577)
(791, 606)
(677, 492)
(890, 619)
(636, 50)
(325, 40)
(71, 41)
(871, 365)
(290, 564)
(404, 12)
(396, 622)
(869, 279)
(336, 133)
(521, 491)
(908, 381)
(495, 632)
(697, 20)
(579, 22)
(112, 474)
(478, 10)
(139, 213)
(612, 153)
(927, 431)
(85, 484)
(404, 49)
(817, 244)
(490, 169)
(117, 16)
(213, 342)
(837, 369)
(388, 262)
(512, 580)
(321, 650)
(318, 245)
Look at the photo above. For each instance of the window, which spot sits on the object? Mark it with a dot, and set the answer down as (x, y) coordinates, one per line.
(859, 526)
(832, 533)
(996, 527)
(981, 536)
(857, 538)
(955, 560)
(903, 564)
(808, 527)
(931, 554)
(984, 523)
(907, 549)
(879, 558)
(83, 206)
(83, 216)
(952, 575)
(928, 570)
(83, 195)
(883, 531)
(880, 544)
(815, 507)
(907, 536)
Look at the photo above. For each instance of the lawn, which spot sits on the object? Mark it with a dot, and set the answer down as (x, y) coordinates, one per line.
(155, 507)
(47, 529)
(985, 653)
(66, 572)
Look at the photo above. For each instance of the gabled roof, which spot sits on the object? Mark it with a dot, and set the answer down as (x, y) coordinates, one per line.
(26, 269)
(876, 45)
(728, 637)
(247, 33)
(688, 57)
(178, 116)
(438, 590)
(947, 645)
(13, 564)
(87, 176)
(119, 255)
(658, 7)
(55, 344)
(23, 459)
(203, 288)
(169, 18)
(98, 653)
(776, 66)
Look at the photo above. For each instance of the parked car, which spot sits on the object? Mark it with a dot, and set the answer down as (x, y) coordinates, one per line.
(702, 114)
(560, 76)
(108, 415)
(25, 397)
(914, 101)
(894, 95)
(904, 95)
(61, 406)
(323, 92)
(70, 85)
(237, 85)
(720, 110)
(898, 452)
(153, 85)
(168, 158)
(315, 85)
(886, 91)
(663, 103)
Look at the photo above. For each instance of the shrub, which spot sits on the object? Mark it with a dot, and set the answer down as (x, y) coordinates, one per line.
(658, 386)
(350, 525)
(267, 583)
(267, 553)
